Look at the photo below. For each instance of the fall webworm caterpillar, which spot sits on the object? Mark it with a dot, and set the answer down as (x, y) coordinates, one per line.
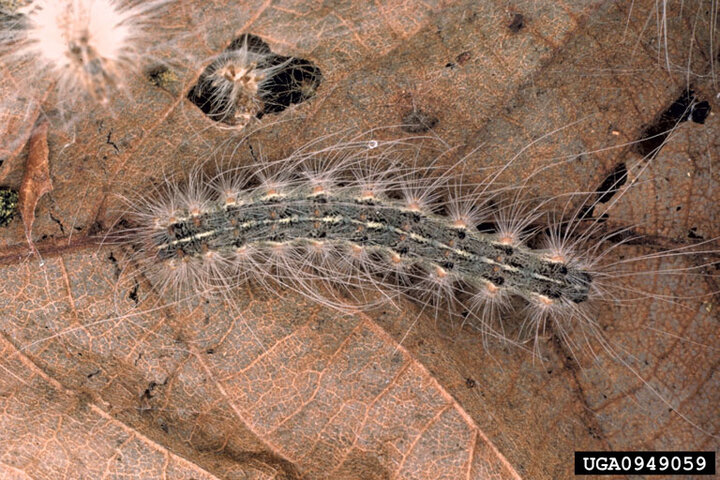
(303, 223)
(377, 227)
(200, 225)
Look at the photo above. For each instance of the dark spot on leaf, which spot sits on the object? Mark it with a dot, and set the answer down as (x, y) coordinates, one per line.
(612, 183)
(164, 427)
(699, 112)
(110, 142)
(693, 234)
(133, 295)
(418, 121)
(463, 58)
(59, 223)
(685, 107)
(148, 393)
(156, 74)
(296, 82)
(517, 24)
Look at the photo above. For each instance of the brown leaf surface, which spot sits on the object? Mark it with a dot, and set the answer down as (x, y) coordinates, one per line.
(97, 384)
(36, 180)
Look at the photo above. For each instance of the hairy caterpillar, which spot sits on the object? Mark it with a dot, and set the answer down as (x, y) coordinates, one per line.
(377, 228)
(352, 217)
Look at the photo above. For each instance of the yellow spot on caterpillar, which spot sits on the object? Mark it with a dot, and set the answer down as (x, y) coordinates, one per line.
(545, 300)
(557, 257)
(272, 193)
(507, 240)
(491, 289)
(460, 224)
(413, 206)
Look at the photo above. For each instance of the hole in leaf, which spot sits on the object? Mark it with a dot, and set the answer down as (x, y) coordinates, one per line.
(685, 107)
(247, 81)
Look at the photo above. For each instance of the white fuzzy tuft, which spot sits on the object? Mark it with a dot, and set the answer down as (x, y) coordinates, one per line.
(86, 47)
(233, 89)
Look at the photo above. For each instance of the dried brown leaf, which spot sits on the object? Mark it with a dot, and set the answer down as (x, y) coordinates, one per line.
(36, 180)
(100, 378)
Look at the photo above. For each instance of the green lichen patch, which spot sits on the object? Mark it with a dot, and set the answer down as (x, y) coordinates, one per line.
(8, 205)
